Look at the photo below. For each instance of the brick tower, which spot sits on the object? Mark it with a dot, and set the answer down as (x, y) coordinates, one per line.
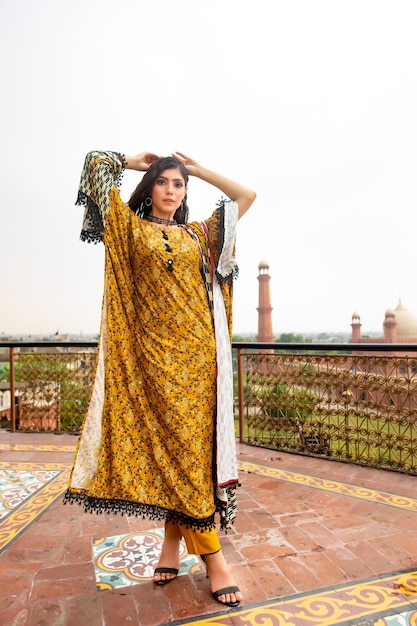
(264, 309)
(356, 327)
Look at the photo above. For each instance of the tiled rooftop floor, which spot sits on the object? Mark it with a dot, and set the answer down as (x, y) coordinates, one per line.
(316, 542)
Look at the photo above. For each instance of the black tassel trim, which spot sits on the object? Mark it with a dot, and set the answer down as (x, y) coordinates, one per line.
(227, 510)
(221, 204)
(230, 277)
(94, 234)
(90, 237)
(136, 509)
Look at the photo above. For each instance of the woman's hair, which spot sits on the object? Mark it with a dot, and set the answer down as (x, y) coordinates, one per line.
(144, 189)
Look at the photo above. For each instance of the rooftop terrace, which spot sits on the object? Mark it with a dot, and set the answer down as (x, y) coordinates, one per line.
(316, 541)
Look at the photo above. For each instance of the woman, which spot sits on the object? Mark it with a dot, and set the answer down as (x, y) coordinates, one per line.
(158, 437)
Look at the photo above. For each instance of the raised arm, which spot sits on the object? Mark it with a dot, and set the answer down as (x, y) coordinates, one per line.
(235, 191)
(140, 162)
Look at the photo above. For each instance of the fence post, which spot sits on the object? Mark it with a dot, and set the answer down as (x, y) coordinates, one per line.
(12, 392)
(240, 391)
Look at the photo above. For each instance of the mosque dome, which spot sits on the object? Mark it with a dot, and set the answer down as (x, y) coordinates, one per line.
(263, 264)
(406, 322)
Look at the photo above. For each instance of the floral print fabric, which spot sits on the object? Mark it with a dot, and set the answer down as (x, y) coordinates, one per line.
(147, 443)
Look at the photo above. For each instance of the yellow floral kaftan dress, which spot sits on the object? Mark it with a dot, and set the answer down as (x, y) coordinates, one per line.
(148, 443)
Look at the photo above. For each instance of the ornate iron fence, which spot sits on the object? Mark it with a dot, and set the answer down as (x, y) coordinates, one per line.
(50, 384)
(347, 402)
(359, 408)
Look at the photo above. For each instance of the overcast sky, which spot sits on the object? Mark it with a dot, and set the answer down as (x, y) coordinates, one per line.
(310, 102)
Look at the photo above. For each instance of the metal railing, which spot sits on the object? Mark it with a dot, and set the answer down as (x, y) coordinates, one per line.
(350, 402)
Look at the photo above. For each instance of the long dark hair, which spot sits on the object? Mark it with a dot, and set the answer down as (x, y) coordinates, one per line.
(144, 189)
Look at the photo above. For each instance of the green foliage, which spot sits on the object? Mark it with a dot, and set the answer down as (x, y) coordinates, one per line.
(292, 338)
(5, 372)
(61, 379)
(289, 403)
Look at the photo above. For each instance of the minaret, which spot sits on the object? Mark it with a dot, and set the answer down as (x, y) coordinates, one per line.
(390, 327)
(356, 327)
(264, 309)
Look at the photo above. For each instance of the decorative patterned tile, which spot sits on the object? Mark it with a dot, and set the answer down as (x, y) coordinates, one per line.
(26, 491)
(125, 560)
(17, 486)
(334, 486)
(381, 601)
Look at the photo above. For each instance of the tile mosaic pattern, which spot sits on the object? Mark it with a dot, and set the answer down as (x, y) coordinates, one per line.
(125, 560)
(324, 484)
(390, 600)
(26, 491)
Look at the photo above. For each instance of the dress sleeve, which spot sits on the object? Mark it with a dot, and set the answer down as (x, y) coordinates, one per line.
(101, 172)
(221, 228)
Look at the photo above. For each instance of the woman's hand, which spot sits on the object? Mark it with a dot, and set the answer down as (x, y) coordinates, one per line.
(141, 162)
(190, 165)
(235, 191)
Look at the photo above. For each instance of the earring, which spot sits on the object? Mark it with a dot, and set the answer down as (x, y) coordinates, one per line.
(148, 201)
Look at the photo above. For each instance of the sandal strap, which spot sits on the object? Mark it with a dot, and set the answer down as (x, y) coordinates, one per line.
(166, 570)
(224, 591)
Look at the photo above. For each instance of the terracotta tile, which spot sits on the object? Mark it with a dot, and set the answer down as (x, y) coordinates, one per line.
(15, 586)
(155, 604)
(325, 570)
(320, 534)
(253, 553)
(298, 574)
(49, 612)
(20, 617)
(85, 609)
(137, 524)
(246, 522)
(346, 560)
(47, 589)
(65, 572)
(341, 522)
(58, 529)
(270, 578)
(407, 541)
(394, 554)
(358, 533)
(405, 520)
(298, 539)
(34, 554)
(246, 504)
(374, 559)
(251, 588)
(119, 607)
(288, 538)
(189, 596)
(79, 550)
(285, 506)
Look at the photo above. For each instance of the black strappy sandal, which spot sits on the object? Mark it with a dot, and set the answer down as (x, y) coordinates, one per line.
(165, 570)
(223, 592)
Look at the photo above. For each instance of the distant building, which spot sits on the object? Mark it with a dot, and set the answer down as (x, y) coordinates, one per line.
(399, 326)
(265, 334)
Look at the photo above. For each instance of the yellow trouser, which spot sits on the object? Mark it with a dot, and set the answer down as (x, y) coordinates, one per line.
(197, 542)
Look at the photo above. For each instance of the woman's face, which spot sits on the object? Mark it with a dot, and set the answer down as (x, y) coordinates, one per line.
(167, 193)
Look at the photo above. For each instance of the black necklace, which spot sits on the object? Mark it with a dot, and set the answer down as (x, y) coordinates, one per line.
(160, 220)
